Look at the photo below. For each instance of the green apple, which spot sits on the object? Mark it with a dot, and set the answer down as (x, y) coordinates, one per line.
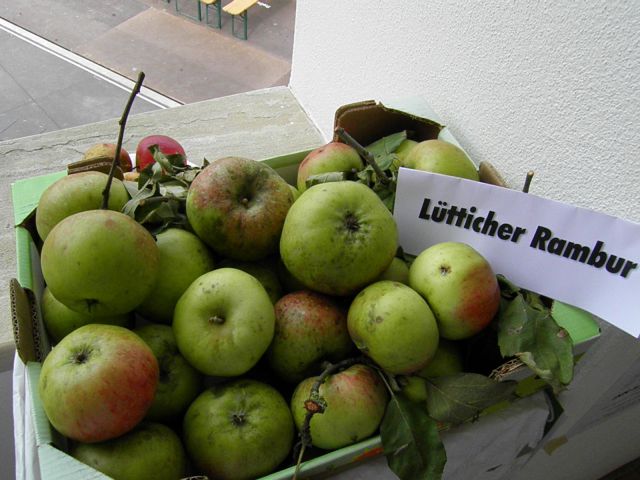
(100, 262)
(356, 399)
(310, 328)
(238, 430)
(447, 361)
(332, 157)
(338, 237)
(394, 326)
(295, 192)
(183, 258)
(404, 148)
(414, 388)
(151, 450)
(179, 382)
(76, 193)
(237, 206)
(398, 271)
(460, 287)
(224, 322)
(438, 156)
(98, 382)
(60, 320)
(263, 270)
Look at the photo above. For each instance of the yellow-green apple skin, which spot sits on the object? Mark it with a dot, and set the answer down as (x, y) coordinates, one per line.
(183, 258)
(404, 148)
(151, 450)
(76, 193)
(295, 192)
(332, 157)
(107, 152)
(356, 399)
(98, 382)
(242, 429)
(414, 388)
(310, 328)
(338, 237)
(224, 322)
(60, 320)
(394, 326)
(237, 206)
(447, 361)
(263, 270)
(179, 382)
(460, 287)
(398, 271)
(100, 262)
(438, 156)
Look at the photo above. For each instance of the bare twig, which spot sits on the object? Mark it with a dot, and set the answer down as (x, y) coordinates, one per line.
(122, 123)
(363, 152)
(527, 182)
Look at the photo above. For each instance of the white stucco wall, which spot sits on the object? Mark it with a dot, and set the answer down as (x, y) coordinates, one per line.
(528, 85)
(548, 86)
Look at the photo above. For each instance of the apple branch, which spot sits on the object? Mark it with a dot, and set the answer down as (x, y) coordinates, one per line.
(363, 152)
(122, 123)
(527, 181)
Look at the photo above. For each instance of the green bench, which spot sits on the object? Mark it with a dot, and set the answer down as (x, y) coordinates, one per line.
(239, 9)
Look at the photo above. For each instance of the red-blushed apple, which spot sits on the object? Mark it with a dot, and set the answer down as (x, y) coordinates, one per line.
(338, 237)
(60, 320)
(238, 206)
(179, 382)
(76, 193)
(356, 399)
(238, 430)
(332, 157)
(183, 258)
(394, 326)
(459, 285)
(310, 328)
(151, 450)
(167, 145)
(224, 322)
(98, 382)
(107, 152)
(438, 156)
(100, 262)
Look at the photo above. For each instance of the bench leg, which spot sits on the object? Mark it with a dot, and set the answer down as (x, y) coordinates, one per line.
(199, 15)
(244, 16)
(218, 7)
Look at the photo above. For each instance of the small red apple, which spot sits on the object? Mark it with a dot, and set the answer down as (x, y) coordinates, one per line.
(167, 145)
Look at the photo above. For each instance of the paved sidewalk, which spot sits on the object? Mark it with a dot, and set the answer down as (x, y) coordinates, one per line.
(103, 44)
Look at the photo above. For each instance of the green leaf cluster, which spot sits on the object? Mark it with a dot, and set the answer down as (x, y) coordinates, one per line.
(159, 196)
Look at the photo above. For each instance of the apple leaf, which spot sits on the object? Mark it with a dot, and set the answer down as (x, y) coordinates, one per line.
(411, 441)
(457, 398)
(528, 331)
(384, 148)
(327, 177)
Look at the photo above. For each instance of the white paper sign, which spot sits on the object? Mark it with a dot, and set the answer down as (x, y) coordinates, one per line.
(578, 256)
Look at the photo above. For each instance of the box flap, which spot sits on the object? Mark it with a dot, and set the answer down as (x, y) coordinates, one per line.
(27, 192)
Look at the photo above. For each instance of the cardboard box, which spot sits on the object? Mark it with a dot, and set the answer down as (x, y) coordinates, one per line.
(365, 121)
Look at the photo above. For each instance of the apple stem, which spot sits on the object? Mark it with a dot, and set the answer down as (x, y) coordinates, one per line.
(363, 152)
(122, 123)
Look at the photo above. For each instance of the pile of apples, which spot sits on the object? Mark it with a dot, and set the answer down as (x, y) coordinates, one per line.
(195, 351)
